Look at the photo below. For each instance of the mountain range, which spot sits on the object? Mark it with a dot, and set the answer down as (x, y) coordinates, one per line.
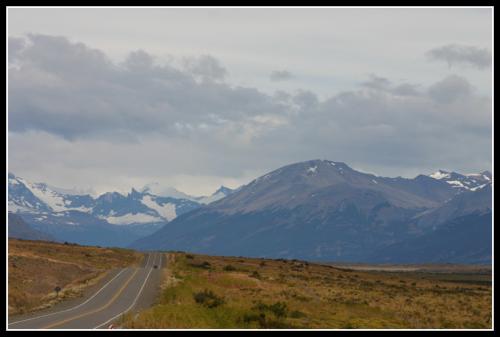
(326, 211)
(318, 210)
(111, 219)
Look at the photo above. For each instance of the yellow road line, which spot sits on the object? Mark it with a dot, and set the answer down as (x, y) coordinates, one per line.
(113, 299)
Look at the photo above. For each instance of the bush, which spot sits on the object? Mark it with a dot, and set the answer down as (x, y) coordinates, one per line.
(255, 274)
(297, 314)
(208, 298)
(229, 268)
(203, 265)
(279, 309)
(189, 256)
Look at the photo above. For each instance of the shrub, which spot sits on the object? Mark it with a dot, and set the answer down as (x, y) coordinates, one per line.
(297, 314)
(208, 298)
(203, 265)
(189, 256)
(279, 309)
(229, 268)
(255, 274)
(258, 314)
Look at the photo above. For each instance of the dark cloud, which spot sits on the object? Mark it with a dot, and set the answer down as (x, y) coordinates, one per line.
(462, 55)
(189, 120)
(74, 91)
(280, 75)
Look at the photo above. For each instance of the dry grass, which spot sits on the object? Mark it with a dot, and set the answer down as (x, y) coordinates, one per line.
(259, 293)
(36, 267)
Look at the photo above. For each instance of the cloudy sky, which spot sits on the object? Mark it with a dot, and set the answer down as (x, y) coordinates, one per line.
(107, 99)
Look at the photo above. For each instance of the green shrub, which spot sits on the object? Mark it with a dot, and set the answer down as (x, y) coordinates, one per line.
(208, 298)
(297, 314)
(203, 265)
(279, 309)
(229, 268)
(255, 274)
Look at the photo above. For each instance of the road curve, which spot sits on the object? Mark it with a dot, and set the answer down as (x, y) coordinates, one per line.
(127, 289)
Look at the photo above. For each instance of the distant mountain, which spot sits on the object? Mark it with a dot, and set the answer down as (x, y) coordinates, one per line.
(459, 181)
(471, 201)
(170, 192)
(166, 191)
(222, 192)
(465, 239)
(21, 230)
(325, 210)
(110, 219)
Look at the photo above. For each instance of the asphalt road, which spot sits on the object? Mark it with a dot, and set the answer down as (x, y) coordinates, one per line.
(124, 290)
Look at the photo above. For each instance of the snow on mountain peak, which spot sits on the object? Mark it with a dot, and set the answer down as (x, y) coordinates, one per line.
(156, 189)
(312, 169)
(440, 174)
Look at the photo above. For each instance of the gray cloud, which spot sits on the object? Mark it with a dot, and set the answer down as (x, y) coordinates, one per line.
(463, 55)
(206, 67)
(377, 82)
(75, 91)
(280, 75)
(74, 112)
(450, 89)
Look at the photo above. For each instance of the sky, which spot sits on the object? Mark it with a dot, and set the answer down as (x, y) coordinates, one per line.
(105, 99)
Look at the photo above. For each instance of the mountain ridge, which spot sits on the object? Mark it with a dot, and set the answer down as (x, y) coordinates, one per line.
(316, 209)
(78, 218)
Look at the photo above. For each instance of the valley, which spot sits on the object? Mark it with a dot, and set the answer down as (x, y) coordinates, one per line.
(315, 244)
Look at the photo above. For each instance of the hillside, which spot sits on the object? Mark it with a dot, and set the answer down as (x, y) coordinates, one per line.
(325, 210)
(19, 229)
(35, 268)
(234, 292)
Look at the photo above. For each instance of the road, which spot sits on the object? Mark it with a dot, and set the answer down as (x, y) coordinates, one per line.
(124, 290)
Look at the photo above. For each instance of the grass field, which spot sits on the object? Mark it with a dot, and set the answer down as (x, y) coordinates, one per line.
(37, 267)
(230, 292)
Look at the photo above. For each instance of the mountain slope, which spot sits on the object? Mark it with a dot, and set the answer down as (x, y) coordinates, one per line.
(469, 182)
(21, 230)
(316, 210)
(465, 239)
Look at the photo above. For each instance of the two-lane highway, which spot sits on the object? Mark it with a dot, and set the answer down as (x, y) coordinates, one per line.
(121, 294)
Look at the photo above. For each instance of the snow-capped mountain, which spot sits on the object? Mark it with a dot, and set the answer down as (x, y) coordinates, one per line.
(157, 189)
(115, 208)
(70, 216)
(166, 191)
(139, 208)
(222, 192)
(470, 182)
